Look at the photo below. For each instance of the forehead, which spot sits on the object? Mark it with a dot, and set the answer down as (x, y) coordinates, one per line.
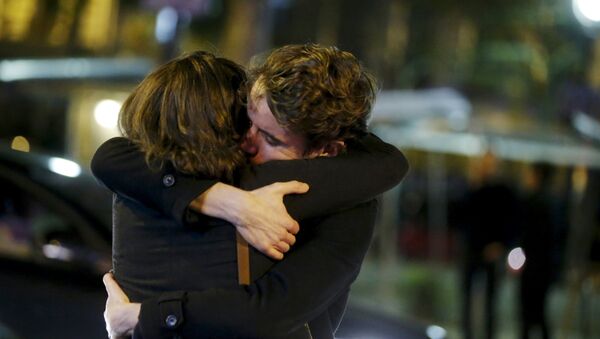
(262, 117)
(258, 89)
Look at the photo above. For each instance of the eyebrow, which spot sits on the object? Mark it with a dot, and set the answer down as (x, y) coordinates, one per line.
(270, 135)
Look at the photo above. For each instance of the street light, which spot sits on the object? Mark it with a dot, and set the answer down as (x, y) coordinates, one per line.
(106, 113)
(587, 13)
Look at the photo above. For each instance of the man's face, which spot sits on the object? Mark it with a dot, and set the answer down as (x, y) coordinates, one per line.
(266, 140)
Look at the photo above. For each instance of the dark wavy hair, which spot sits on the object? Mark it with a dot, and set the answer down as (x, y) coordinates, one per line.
(322, 93)
(190, 112)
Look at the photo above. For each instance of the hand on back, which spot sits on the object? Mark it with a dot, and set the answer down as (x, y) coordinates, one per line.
(264, 221)
(259, 215)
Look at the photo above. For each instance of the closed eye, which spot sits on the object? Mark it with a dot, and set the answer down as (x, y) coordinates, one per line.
(271, 140)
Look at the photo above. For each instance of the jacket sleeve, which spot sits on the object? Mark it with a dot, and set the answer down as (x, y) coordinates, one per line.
(369, 168)
(370, 165)
(122, 168)
(295, 291)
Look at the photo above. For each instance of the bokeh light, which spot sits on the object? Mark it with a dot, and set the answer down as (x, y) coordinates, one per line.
(64, 167)
(587, 11)
(106, 113)
(516, 258)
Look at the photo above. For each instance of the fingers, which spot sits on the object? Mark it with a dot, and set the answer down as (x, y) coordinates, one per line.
(107, 279)
(281, 243)
(290, 239)
(273, 242)
(291, 187)
(273, 253)
(282, 247)
(292, 226)
(113, 289)
(279, 248)
(286, 236)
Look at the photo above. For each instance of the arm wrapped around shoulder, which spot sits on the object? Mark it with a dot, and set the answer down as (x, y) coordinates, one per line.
(368, 168)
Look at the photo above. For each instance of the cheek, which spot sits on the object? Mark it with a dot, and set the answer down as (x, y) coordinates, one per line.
(262, 147)
(263, 153)
(278, 153)
(267, 152)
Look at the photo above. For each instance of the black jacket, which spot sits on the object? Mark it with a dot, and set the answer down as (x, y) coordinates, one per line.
(160, 246)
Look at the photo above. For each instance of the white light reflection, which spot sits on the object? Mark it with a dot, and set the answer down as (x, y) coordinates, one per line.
(587, 10)
(586, 125)
(56, 251)
(64, 167)
(166, 24)
(516, 258)
(106, 113)
(70, 68)
(436, 332)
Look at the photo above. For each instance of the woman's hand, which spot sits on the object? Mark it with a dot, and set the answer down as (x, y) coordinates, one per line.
(120, 315)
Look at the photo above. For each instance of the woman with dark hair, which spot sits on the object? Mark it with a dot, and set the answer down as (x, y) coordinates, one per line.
(190, 113)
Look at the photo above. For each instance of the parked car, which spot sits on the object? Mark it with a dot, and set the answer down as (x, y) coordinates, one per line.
(54, 247)
(55, 236)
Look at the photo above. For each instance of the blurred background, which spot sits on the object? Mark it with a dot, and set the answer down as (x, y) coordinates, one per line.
(495, 103)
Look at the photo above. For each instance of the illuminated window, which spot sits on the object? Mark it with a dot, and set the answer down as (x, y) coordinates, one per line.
(59, 34)
(97, 24)
(16, 18)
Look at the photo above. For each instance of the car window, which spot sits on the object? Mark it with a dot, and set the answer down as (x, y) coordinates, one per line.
(27, 226)
(15, 231)
(34, 228)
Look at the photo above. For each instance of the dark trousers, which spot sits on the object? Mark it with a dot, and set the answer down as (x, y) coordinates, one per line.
(533, 294)
(479, 269)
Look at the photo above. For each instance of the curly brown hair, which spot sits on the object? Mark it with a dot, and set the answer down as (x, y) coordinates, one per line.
(322, 93)
(190, 112)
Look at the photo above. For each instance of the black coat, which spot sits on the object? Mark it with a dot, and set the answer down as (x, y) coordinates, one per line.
(160, 246)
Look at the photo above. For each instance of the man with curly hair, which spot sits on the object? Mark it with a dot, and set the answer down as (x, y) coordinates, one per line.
(319, 97)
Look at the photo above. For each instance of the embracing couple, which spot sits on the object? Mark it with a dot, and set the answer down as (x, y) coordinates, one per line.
(199, 175)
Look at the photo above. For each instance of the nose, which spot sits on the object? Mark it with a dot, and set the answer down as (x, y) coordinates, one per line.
(249, 142)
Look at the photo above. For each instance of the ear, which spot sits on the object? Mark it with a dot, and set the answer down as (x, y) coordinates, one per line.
(332, 148)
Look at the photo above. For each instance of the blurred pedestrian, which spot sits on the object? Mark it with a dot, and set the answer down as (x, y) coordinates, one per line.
(488, 217)
(537, 239)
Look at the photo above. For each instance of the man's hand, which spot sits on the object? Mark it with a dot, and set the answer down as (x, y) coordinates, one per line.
(260, 215)
(120, 315)
(264, 221)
